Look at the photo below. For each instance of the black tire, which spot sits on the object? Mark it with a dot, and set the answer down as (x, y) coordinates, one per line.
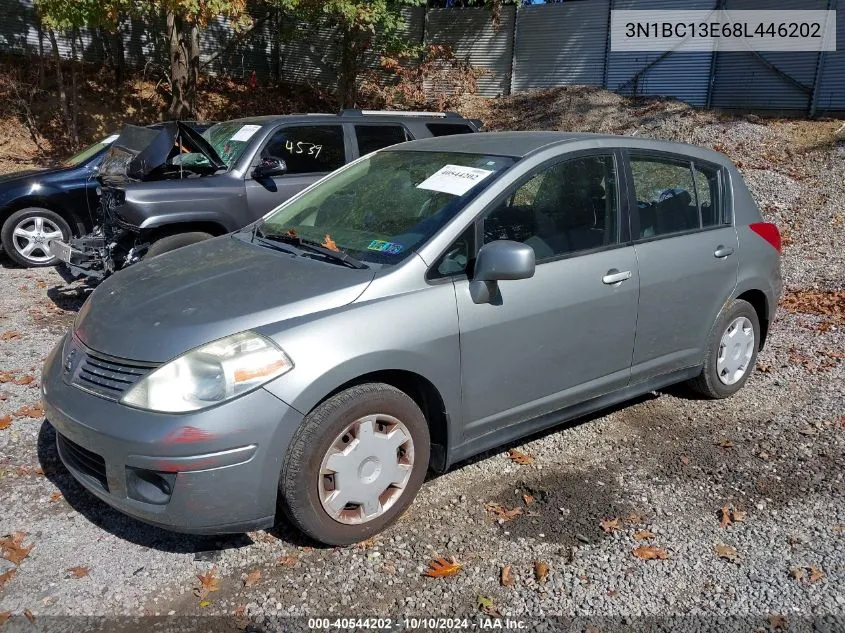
(178, 240)
(13, 246)
(298, 484)
(708, 383)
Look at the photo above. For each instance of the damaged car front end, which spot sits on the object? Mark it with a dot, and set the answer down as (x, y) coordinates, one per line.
(120, 238)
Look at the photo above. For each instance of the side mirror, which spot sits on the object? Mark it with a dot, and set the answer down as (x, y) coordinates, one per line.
(498, 261)
(269, 167)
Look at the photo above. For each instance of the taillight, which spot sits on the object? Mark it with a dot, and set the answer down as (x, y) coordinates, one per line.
(768, 232)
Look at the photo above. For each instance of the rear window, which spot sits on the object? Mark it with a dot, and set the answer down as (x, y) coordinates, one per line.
(373, 137)
(447, 129)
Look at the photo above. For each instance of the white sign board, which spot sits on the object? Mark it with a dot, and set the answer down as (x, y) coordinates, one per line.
(245, 133)
(454, 179)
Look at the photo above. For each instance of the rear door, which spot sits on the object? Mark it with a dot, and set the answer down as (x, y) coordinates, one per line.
(310, 152)
(686, 245)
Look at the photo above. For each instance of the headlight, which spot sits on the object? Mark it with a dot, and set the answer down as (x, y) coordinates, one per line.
(210, 374)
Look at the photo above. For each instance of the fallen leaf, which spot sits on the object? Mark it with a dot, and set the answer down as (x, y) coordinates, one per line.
(205, 603)
(725, 444)
(209, 581)
(815, 574)
(6, 377)
(34, 411)
(4, 617)
(486, 605)
(764, 367)
(650, 552)
(798, 573)
(13, 547)
(55, 496)
(239, 611)
(528, 499)
(28, 614)
(727, 552)
(78, 572)
(635, 517)
(306, 549)
(5, 422)
(507, 577)
(610, 525)
(6, 577)
(441, 567)
(642, 535)
(501, 512)
(685, 460)
(730, 515)
(286, 561)
(290, 233)
(10, 335)
(251, 579)
(329, 243)
(24, 380)
(541, 570)
(519, 457)
(839, 529)
(777, 622)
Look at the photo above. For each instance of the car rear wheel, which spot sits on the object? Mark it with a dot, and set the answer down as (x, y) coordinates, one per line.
(172, 242)
(26, 236)
(355, 464)
(731, 352)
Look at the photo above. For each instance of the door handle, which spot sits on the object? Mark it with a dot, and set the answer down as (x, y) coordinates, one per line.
(723, 251)
(613, 276)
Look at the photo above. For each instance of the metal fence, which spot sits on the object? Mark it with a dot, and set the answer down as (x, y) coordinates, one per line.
(528, 47)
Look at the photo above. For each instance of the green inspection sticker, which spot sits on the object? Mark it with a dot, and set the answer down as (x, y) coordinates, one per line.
(385, 247)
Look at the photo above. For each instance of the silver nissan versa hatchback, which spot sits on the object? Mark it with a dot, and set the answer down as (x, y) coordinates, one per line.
(422, 304)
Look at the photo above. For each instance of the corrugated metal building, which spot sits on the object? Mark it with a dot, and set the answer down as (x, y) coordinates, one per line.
(530, 47)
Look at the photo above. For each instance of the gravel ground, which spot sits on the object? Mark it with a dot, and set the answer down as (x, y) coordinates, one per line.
(665, 464)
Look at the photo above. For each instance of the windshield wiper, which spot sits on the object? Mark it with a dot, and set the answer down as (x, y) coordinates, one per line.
(310, 245)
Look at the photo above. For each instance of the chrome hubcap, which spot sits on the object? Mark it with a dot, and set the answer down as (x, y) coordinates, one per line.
(366, 469)
(32, 238)
(735, 351)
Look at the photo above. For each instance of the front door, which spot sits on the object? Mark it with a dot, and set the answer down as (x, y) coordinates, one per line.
(567, 333)
(686, 249)
(309, 151)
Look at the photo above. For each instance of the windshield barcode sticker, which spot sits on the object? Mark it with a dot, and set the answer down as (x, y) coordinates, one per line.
(245, 133)
(454, 179)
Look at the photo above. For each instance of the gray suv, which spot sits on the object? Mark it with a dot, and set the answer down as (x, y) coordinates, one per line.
(424, 303)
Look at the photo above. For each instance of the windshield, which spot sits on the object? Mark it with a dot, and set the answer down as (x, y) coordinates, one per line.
(382, 208)
(83, 155)
(229, 139)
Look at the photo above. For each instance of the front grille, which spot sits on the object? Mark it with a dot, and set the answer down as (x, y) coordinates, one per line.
(103, 375)
(81, 459)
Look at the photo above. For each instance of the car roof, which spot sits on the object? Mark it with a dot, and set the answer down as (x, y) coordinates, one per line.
(521, 144)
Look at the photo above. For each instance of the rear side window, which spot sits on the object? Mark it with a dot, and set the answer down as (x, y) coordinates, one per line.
(666, 196)
(373, 137)
(447, 129)
(307, 148)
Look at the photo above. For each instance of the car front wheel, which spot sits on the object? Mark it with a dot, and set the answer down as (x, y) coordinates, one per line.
(27, 233)
(731, 352)
(355, 464)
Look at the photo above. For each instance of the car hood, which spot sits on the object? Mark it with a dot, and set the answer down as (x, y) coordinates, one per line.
(20, 176)
(162, 307)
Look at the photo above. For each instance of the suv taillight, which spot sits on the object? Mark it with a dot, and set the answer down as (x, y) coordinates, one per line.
(768, 232)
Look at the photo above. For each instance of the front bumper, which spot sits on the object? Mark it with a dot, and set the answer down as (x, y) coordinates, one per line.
(223, 462)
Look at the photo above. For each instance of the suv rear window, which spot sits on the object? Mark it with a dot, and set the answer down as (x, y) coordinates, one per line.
(373, 137)
(447, 129)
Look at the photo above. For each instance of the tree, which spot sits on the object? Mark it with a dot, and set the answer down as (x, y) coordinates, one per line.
(362, 27)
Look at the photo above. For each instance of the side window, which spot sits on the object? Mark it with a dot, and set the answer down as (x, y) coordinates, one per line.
(307, 148)
(707, 189)
(447, 129)
(457, 258)
(563, 209)
(666, 196)
(373, 137)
